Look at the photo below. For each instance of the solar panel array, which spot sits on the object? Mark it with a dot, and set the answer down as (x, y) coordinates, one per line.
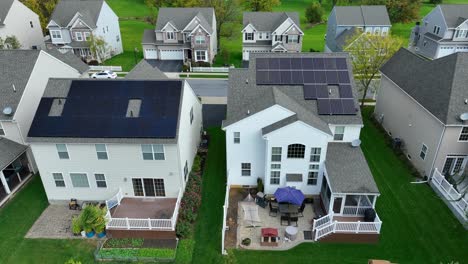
(315, 74)
(97, 109)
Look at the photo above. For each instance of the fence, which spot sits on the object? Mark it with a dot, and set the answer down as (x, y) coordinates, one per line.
(450, 193)
(105, 68)
(140, 223)
(326, 226)
(225, 209)
(210, 69)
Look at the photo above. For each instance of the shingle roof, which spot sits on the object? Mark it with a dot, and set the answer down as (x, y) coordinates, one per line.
(145, 71)
(243, 96)
(348, 171)
(269, 21)
(149, 37)
(362, 16)
(9, 151)
(65, 10)
(69, 58)
(181, 17)
(454, 14)
(5, 6)
(438, 85)
(16, 67)
(342, 39)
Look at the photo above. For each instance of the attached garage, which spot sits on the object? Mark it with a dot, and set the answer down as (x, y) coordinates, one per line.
(446, 50)
(172, 54)
(151, 53)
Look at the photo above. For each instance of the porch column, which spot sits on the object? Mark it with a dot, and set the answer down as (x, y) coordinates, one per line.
(374, 201)
(331, 203)
(4, 183)
(19, 177)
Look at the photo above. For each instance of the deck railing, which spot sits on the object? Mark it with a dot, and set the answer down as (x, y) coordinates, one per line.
(355, 210)
(325, 220)
(225, 211)
(346, 227)
(450, 193)
(141, 223)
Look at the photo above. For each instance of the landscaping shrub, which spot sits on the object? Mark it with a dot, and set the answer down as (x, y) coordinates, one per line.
(124, 242)
(196, 167)
(184, 229)
(189, 205)
(201, 64)
(122, 253)
(246, 241)
(260, 185)
(314, 13)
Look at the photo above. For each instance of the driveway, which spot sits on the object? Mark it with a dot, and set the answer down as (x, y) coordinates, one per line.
(167, 65)
(209, 88)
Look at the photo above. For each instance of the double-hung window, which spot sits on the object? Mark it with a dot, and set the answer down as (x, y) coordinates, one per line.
(275, 154)
(275, 174)
(315, 154)
(101, 151)
(56, 34)
(170, 35)
(246, 169)
(339, 133)
(153, 152)
(62, 151)
(463, 134)
(313, 174)
(200, 39)
(58, 179)
(79, 180)
(87, 35)
(423, 152)
(100, 180)
(293, 39)
(79, 36)
(200, 55)
(249, 36)
(236, 137)
(436, 30)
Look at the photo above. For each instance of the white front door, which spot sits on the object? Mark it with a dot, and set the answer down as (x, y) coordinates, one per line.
(172, 54)
(151, 53)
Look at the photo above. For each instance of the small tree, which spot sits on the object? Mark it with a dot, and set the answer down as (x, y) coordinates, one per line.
(368, 53)
(10, 42)
(261, 5)
(98, 47)
(314, 13)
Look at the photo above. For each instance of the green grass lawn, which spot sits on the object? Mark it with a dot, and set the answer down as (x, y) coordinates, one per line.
(15, 220)
(129, 8)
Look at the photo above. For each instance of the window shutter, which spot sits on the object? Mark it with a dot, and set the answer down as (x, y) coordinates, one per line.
(287, 37)
(298, 38)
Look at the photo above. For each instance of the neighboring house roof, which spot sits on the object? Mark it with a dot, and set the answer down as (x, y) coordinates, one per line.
(86, 111)
(9, 151)
(246, 98)
(149, 37)
(181, 17)
(5, 6)
(69, 58)
(454, 14)
(344, 37)
(438, 85)
(362, 16)
(269, 21)
(145, 71)
(347, 170)
(66, 10)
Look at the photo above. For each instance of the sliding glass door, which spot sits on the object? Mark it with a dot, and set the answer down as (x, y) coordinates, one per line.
(148, 187)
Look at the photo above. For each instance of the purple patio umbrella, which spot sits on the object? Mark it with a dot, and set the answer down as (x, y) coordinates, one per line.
(289, 195)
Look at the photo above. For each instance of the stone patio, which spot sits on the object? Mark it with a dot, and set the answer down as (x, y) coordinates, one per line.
(54, 222)
(245, 230)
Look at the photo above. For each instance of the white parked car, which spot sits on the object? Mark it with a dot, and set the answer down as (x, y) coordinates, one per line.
(104, 75)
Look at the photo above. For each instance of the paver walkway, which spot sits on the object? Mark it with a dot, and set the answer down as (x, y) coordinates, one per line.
(54, 222)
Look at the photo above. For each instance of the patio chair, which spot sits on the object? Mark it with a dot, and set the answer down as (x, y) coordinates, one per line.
(284, 218)
(261, 202)
(273, 210)
(301, 210)
(293, 218)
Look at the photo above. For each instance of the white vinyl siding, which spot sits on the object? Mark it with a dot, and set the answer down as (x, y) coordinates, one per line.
(2, 131)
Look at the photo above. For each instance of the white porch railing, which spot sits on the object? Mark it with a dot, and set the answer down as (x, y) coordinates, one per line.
(140, 223)
(105, 68)
(355, 210)
(210, 69)
(325, 220)
(450, 193)
(225, 210)
(347, 227)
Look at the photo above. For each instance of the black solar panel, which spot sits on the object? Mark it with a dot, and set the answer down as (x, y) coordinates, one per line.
(286, 77)
(341, 64)
(320, 76)
(348, 106)
(322, 91)
(336, 108)
(323, 106)
(262, 64)
(330, 63)
(262, 77)
(318, 63)
(307, 64)
(343, 77)
(274, 77)
(346, 91)
(332, 77)
(296, 77)
(310, 92)
(97, 109)
(274, 63)
(308, 76)
(285, 64)
(296, 63)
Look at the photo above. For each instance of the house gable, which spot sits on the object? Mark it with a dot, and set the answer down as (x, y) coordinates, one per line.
(198, 28)
(169, 27)
(78, 23)
(294, 29)
(297, 127)
(249, 29)
(285, 26)
(192, 24)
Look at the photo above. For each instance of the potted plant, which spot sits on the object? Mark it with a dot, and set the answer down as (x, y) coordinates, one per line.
(88, 219)
(246, 241)
(76, 226)
(100, 222)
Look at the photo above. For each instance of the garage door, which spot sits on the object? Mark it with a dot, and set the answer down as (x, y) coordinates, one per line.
(172, 54)
(151, 54)
(446, 50)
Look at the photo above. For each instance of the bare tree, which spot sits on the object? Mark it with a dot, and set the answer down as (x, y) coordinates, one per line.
(98, 47)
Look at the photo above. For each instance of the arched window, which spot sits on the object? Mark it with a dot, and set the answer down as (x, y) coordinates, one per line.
(296, 151)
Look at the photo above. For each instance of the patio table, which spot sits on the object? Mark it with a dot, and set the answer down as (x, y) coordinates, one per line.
(288, 208)
(291, 232)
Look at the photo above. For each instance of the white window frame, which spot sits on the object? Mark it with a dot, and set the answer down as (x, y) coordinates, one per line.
(463, 137)
(101, 151)
(79, 36)
(54, 35)
(275, 174)
(423, 152)
(260, 35)
(153, 152)
(105, 180)
(314, 154)
(267, 35)
(436, 30)
(237, 138)
(293, 38)
(276, 155)
(170, 35)
(451, 170)
(87, 36)
(59, 180)
(81, 173)
(2, 130)
(246, 172)
(335, 133)
(200, 40)
(295, 150)
(249, 36)
(198, 55)
(313, 174)
(58, 151)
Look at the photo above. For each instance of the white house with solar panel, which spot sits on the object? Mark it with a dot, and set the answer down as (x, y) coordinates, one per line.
(128, 143)
(293, 120)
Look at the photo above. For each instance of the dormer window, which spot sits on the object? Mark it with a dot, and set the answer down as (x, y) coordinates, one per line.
(56, 34)
(170, 35)
(79, 36)
(461, 33)
(249, 36)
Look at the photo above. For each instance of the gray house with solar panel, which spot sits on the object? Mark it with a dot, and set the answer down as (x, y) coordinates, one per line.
(128, 143)
(293, 120)
(346, 21)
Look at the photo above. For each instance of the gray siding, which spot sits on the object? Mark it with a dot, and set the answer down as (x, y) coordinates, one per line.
(450, 146)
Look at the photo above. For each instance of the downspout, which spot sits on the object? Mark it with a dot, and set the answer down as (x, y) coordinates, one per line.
(436, 153)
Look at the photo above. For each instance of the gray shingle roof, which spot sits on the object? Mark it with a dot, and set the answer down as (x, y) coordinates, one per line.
(243, 97)
(454, 14)
(342, 39)
(69, 58)
(5, 6)
(362, 16)
(145, 71)
(181, 17)
(438, 85)
(9, 151)
(65, 10)
(16, 67)
(149, 37)
(269, 21)
(348, 171)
